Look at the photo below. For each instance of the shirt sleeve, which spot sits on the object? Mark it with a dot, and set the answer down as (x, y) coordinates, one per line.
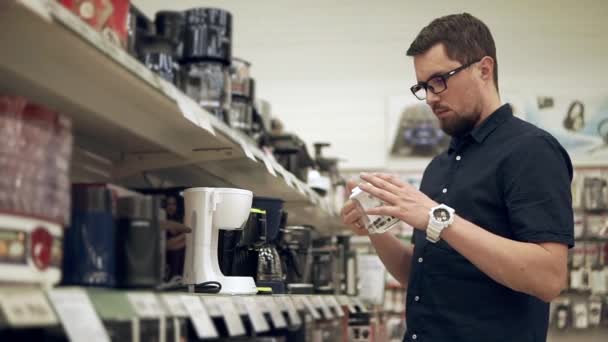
(537, 191)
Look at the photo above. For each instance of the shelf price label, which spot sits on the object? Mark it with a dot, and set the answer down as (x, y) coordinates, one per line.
(346, 301)
(199, 317)
(145, 305)
(276, 313)
(269, 165)
(270, 306)
(333, 303)
(255, 315)
(231, 316)
(319, 303)
(189, 108)
(212, 306)
(246, 148)
(311, 308)
(77, 315)
(24, 308)
(174, 305)
(357, 302)
(299, 185)
(292, 313)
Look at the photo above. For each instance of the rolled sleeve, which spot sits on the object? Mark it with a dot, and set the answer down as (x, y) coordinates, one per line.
(537, 191)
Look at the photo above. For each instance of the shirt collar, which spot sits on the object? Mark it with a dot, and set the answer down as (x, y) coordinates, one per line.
(481, 132)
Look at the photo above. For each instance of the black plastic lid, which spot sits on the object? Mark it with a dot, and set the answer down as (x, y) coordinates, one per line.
(207, 35)
(170, 25)
(137, 207)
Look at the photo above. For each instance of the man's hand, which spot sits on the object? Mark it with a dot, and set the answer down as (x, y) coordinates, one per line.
(178, 231)
(401, 199)
(351, 216)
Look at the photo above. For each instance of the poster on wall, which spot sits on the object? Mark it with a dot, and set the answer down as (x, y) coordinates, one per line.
(413, 130)
(579, 123)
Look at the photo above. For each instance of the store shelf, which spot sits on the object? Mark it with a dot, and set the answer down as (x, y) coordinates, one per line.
(128, 116)
(126, 305)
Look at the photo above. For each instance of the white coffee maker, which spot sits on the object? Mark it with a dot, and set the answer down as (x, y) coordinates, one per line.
(207, 210)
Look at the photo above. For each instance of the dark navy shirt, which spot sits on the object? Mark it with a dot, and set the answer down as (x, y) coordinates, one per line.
(512, 179)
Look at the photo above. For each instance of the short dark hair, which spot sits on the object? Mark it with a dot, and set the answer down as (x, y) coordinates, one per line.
(465, 38)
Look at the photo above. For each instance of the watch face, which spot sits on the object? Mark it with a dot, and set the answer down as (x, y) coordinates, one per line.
(441, 215)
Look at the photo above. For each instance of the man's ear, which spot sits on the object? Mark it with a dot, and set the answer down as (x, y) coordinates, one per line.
(486, 67)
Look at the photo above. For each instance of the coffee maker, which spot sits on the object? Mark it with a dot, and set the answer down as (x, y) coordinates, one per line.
(269, 267)
(324, 269)
(207, 211)
(295, 246)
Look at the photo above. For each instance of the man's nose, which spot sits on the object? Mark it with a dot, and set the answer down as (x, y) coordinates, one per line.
(431, 98)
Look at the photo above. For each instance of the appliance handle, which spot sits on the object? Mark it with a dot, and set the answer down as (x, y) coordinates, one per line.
(216, 198)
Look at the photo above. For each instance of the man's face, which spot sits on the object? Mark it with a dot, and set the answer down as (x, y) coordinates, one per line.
(458, 107)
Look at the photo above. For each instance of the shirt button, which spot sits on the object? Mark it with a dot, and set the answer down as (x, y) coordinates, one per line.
(420, 260)
(458, 158)
(414, 337)
(416, 299)
(444, 190)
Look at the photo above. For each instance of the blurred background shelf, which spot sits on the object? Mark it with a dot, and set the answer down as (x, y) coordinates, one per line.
(130, 127)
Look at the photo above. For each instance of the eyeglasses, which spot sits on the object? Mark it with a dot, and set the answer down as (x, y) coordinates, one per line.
(437, 84)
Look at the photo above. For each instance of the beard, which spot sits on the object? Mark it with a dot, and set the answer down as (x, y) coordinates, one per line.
(458, 125)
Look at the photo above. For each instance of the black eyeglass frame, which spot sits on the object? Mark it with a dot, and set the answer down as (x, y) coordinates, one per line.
(444, 79)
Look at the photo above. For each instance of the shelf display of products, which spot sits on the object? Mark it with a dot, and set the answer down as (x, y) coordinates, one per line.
(168, 203)
(35, 155)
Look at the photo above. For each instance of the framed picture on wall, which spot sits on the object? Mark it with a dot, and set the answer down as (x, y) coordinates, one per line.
(579, 123)
(413, 130)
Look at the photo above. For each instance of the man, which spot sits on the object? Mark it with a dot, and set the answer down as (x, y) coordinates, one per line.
(493, 218)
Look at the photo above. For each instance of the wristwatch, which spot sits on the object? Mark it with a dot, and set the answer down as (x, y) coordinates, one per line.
(440, 217)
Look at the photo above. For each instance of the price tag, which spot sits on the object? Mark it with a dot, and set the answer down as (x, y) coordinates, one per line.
(168, 88)
(246, 149)
(311, 308)
(269, 165)
(205, 122)
(288, 177)
(255, 315)
(189, 109)
(79, 319)
(275, 313)
(345, 301)
(333, 303)
(357, 301)
(38, 7)
(200, 318)
(292, 313)
(299, 185)
(174, 305)
(23, 308)
(193, 112)
(240, 307)
(145, 305)
(319, 303)
(231, 317)
(297, 302)
(212, 306)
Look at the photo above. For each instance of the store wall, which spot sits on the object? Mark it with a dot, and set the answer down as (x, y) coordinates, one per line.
(330, 67)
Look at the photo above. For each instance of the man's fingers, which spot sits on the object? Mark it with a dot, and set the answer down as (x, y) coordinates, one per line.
(392, 179)
(383, 195)
(383, 211)
(352, 217)
(350, 185)
(382, 181)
